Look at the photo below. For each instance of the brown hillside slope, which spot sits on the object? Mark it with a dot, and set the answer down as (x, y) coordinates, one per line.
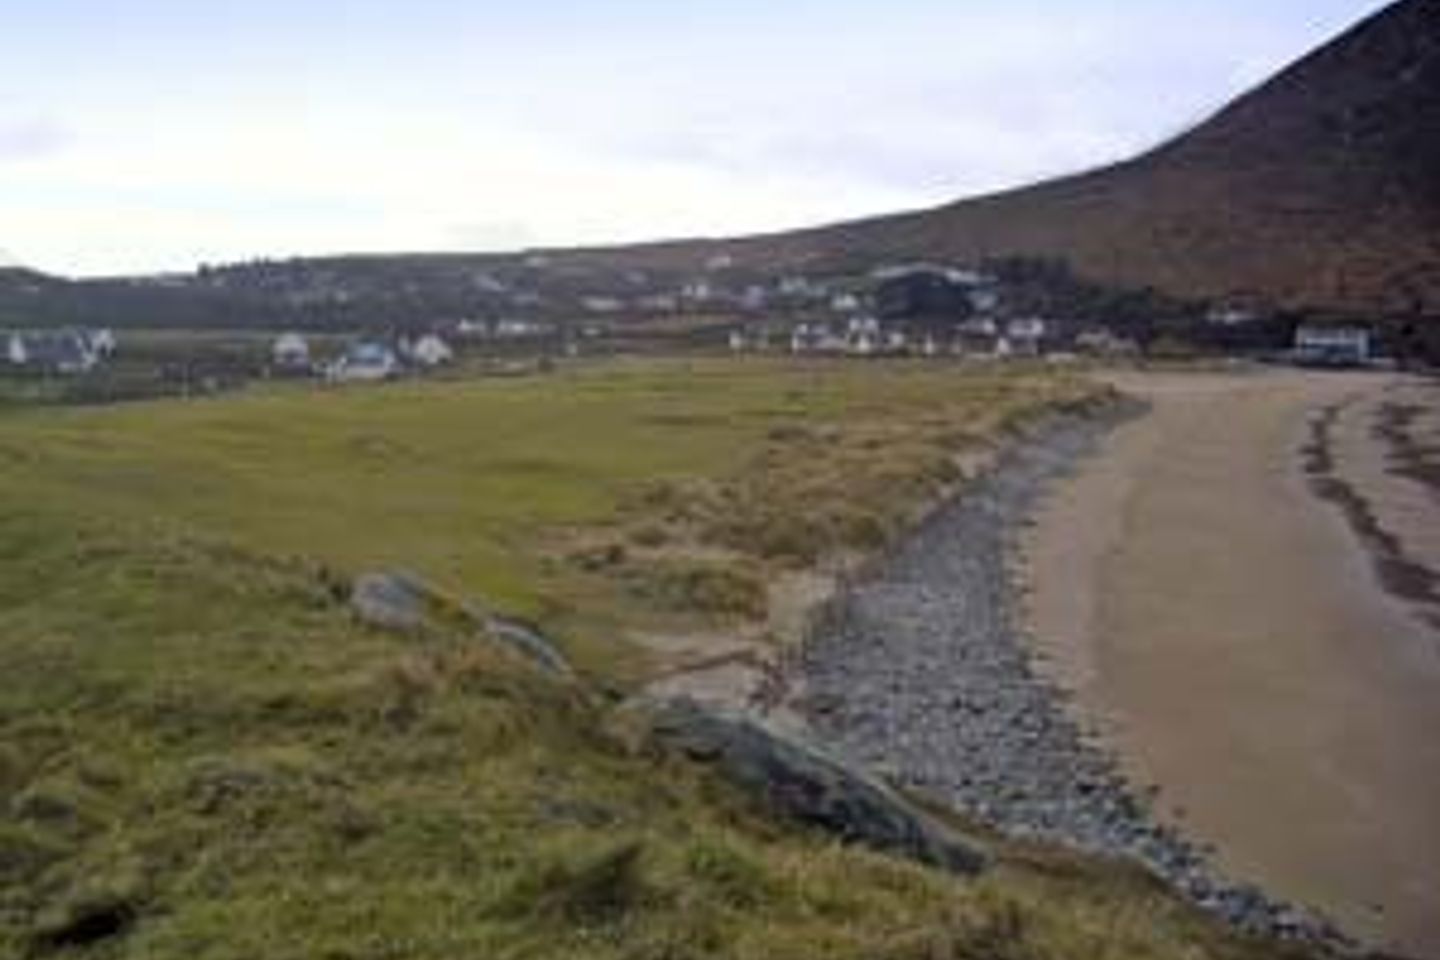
(1321, 187)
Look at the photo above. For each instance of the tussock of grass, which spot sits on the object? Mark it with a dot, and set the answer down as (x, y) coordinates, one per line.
(717, 589)
(204, 756)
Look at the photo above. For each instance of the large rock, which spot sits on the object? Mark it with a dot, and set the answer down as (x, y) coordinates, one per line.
(398, 600)
(391, 600)
(803, 783)
(529, 642)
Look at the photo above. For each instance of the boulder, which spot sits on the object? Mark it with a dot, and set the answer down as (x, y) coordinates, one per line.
(399, 600)
(803, 783)
(529, 642)
(391, 600)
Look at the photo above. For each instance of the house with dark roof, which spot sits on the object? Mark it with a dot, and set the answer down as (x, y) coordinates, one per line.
(365, 360)
(67, 353)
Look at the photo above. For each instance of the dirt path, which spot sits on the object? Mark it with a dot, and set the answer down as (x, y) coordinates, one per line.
(1240, 590)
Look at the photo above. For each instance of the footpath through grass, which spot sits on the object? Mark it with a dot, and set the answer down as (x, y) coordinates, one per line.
(202, 755)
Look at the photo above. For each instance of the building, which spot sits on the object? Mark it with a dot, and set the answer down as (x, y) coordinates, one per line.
(15, 351)
(430, 351)
(366, 360)
(818, 338)
(863, 336)
(1025, 336)
(102, 341)
(290, 353)
(1338, 346)
(67, 353)
(921, 293)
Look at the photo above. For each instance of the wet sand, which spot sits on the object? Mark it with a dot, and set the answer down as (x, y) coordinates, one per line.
(1241, 592)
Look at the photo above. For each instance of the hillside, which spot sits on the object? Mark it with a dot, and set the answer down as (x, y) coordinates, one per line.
(1317, 188)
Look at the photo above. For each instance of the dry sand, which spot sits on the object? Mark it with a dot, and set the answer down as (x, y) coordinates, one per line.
(1268, 656)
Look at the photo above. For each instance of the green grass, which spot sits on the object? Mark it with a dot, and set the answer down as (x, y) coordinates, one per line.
(203, 756)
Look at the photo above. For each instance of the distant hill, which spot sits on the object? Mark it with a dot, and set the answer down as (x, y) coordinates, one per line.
(1320, 188)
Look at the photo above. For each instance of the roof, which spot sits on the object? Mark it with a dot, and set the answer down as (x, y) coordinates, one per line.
(55, 349)
(366, 353)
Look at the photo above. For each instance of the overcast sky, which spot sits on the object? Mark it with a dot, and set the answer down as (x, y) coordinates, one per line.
(156, 134)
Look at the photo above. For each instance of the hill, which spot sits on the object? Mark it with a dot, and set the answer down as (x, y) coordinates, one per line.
(1316, 189)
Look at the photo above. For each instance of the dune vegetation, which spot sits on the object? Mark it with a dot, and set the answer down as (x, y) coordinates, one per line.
(203, 754)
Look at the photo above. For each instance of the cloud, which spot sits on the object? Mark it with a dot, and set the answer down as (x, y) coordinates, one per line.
(716, 118)
(32, 138)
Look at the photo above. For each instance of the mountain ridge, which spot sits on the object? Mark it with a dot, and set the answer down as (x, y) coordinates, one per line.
(1313, 189)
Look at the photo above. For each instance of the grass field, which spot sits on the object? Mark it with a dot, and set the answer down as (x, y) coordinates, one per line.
(202, 755)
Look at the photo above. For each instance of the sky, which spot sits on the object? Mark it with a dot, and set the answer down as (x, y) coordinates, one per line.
(155, 135)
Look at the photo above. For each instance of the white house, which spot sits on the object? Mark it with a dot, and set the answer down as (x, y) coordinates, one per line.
(863, 336)
(818, 338)
(366, 360)
(102, 341)
(1024, 335)
(290, 351)
(15, 350)
(67, 352)
(800, 338)
(431, 351)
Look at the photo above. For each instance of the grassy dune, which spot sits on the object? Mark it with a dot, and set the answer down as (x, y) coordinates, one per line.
(202, 755)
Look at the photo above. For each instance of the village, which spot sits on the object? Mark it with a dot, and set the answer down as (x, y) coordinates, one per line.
(542, 312)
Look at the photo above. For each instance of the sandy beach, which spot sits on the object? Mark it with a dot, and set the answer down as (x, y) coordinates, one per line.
(1241, 592)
